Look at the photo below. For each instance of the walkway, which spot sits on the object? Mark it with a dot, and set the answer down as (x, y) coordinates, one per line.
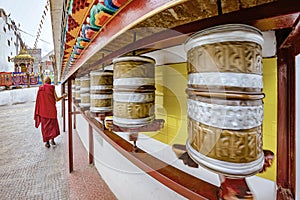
(28, 170)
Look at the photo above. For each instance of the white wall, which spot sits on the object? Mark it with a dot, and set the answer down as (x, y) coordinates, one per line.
(9, 97)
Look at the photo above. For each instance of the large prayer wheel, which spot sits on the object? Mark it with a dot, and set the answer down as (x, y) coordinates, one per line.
(225, 107)
(77, 89)
(101, 91)
(85, 92)
(73, 89)
(134, 91)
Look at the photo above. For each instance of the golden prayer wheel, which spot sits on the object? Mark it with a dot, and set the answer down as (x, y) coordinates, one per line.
(77, 89)
(85, 92)
(225, 107)
(84, 100)
(101, 91)
(85, 84)
(73, 89)
(134, 91)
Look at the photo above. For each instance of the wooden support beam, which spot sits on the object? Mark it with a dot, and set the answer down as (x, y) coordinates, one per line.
(286, 128)
(63, 107)
(293, 39)
(74, 116)
(70, 128)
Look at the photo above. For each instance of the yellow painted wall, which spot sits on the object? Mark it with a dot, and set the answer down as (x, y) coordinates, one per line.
(270, 113)
(171, 105)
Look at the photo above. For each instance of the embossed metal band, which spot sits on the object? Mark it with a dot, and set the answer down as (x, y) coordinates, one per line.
(125, 122)
(225, 33)
(101, 87)
(101, 96)
(85, 85)
(84, 89)
(134, 81)
(77, 82)
(84, 104)
(227, 168)
(85, 97)
(235, 146)
(99, 73)
(84, 79)
(226, 117)
(226, 79)
(133, 97)
(133, 58)
(97, 109)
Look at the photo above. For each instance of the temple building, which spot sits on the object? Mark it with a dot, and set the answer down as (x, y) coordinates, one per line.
(23, 62)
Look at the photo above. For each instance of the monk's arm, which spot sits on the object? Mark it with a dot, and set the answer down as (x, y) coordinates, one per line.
(58, 98)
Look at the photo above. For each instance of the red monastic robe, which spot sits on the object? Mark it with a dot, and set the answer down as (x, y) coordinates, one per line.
(45, 112)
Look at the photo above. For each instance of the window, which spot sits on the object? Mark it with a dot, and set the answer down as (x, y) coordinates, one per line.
(8, 42)
(4, 29)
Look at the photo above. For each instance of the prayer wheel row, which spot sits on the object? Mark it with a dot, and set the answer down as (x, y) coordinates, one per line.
(225, 99)
(225, 107)
(128, 91)
(95, 91)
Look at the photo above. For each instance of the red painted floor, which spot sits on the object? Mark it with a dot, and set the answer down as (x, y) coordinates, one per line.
(84, 182)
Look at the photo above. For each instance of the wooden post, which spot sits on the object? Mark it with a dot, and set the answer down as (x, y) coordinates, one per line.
(74, 116)
(91, 145)
(286, 128)
(70, 141)
(63, 108)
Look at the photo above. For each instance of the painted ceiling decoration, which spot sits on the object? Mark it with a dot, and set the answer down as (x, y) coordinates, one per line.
(84, 20)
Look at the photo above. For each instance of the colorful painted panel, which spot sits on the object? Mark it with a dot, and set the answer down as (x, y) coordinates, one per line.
(5, 79)
(18, 78)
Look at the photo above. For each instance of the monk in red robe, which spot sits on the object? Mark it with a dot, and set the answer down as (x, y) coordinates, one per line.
(45, 112)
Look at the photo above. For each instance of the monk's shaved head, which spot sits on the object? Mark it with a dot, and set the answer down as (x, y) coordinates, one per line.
(47, 80)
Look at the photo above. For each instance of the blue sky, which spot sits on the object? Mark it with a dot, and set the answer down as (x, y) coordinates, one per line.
(28, 14)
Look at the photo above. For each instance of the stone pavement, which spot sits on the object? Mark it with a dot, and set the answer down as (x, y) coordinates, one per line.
(29, 170)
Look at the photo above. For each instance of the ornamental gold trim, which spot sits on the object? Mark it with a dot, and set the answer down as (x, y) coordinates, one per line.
(131, 110)
(236, 146)
(235, 56)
